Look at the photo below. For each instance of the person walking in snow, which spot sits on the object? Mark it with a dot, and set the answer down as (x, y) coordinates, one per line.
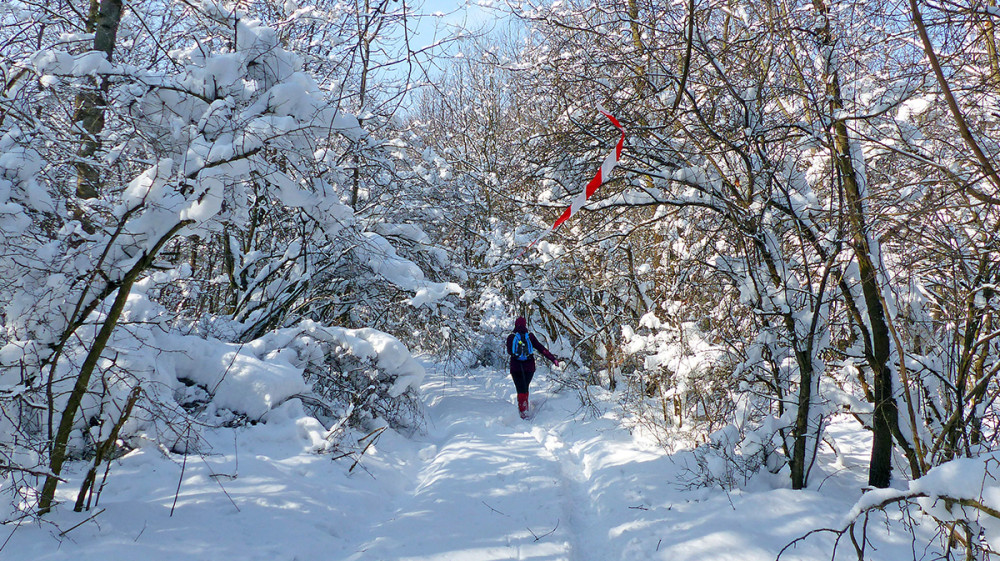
(521, 346)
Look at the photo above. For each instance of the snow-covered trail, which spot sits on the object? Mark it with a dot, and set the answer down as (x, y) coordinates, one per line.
(487, 488)
(566, 486)
(480, 484)
(493, 486)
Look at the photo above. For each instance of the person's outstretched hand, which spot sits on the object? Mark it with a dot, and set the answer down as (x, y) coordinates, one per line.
(556, 362)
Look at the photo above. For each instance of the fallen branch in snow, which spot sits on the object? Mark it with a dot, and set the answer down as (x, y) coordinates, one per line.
(948, 501)
(839, 533)
(180, 480)
(550, 532)
(215, 476)
(82, 522)
(958, 517)
(495, 510)
(374, 436)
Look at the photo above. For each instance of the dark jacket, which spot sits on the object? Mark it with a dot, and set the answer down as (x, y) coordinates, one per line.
(526, 366)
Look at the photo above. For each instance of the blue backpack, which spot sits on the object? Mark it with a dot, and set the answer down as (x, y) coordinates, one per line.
(520, 347)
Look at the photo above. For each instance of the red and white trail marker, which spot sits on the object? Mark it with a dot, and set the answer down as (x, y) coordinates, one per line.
(600, 177)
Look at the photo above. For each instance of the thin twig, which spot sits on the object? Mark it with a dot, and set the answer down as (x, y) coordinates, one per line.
(179, 481)
(550, 532)
(144, 524)
(216, 477)
(367, 446)
(88, 519)
(19, 522)
(493, 509)
(35, 472)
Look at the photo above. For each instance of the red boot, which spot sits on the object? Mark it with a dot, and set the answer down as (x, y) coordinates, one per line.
(522, 404)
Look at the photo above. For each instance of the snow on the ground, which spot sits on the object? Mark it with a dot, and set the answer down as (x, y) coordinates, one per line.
(480, 485)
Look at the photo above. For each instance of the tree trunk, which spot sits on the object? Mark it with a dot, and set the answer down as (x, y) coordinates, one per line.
(79, 390)
(61, 440)
(90, 104)
(104, 450)
(985, 162)
(807, 379)
(989, 36)
(104, 20)
(885, 420)
(800, 452)
(886, 413)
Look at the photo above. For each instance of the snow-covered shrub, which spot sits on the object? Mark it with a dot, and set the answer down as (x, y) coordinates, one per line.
(678, 384)
(730, 457)
(495, 321)
(361, 376)
(23, 200)
(962, 496)
(218, 210)
(348, 378)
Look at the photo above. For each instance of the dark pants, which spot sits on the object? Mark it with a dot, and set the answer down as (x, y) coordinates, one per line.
(521, 373)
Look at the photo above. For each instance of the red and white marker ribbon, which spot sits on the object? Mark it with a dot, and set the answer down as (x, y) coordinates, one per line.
(602, 175)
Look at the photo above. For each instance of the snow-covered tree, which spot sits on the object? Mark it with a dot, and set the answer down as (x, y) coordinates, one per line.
(201, 190)
(763, 140)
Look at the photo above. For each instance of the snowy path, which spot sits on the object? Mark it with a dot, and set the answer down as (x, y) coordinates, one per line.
(493, 486)
(480, 485)
(564, 487)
